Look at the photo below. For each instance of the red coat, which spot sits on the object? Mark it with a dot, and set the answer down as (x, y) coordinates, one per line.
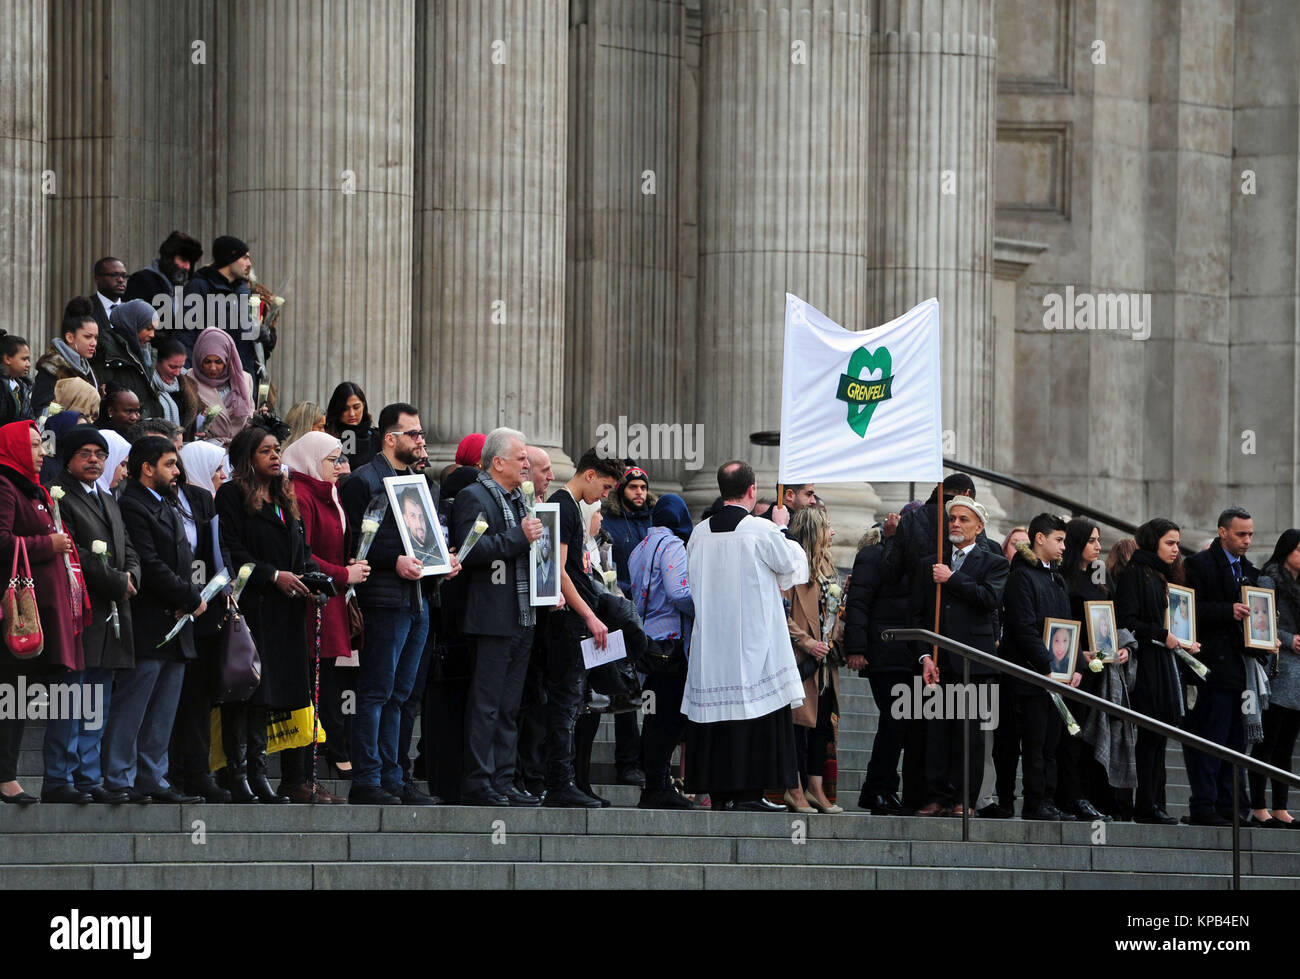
(324, 527)
(25, 512)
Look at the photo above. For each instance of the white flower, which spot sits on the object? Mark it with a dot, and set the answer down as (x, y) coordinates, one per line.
(1096, 665)
(244, 572)
(527, 487)
(370, 526)
(212, 411)
(278, 300)
(834, 590)
(98, 547)
(57, 493)
(254, 301)
(54, 408)
(610, 577)
(480, 526)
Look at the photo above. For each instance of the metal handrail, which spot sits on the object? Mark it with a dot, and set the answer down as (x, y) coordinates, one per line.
(970, 654)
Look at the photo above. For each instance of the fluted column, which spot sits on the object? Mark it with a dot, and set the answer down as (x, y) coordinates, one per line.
(136, 133)
(629, 335)
(933, 78)
(320, 185)
(23, 58)
(783, 208)
(489, 291)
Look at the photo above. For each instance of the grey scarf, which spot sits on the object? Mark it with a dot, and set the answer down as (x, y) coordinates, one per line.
(171, 410)
(527, 616)
(1257, 684)
(1113, 739)
(77, 362)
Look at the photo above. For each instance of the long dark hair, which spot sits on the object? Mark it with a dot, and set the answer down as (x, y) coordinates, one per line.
(1077, 533)
(338, 401)
(1148, 539)
(278, 491)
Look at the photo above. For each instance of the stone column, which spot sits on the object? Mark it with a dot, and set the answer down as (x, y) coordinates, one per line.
(321, 124)
(24, 51)
(489, 280)
(783, 208)
(630, 336)
(933, 124)
(136, 133)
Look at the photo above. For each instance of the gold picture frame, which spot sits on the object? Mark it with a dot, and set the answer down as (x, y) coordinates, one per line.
(1054, 629)
(1180, 614)
(1259, 627)
(1103, 630)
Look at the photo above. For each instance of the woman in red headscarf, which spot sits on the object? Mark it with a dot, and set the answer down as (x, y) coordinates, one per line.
(26, 512)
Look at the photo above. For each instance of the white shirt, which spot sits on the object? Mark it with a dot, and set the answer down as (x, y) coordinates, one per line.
(742, 665)
(107, 303)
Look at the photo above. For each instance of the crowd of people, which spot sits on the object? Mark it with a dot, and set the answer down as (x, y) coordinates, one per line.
(172, 521)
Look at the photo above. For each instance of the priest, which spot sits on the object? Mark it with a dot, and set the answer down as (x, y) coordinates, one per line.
(742, 678)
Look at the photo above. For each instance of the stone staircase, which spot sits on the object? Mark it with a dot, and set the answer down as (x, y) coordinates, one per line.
(331, 847)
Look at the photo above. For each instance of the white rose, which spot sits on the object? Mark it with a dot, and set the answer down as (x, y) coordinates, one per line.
(98, 547)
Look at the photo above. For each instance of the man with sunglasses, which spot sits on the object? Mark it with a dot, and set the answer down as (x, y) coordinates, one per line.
(397, 620)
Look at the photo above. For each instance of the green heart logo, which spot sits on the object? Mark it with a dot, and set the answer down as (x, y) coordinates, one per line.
(862, 396)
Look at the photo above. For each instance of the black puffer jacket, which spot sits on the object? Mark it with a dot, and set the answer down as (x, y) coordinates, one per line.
(1033, 594)
(872, 605)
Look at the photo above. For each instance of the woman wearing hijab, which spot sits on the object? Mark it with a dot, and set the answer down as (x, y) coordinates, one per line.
(74, 394)
(1282, 718)
(26, 513)
(1141, 598)
(115, 468)
(314, 462)
(204, 464)
(123, 354)
(261, 524)
(221, 384)
(662, 596)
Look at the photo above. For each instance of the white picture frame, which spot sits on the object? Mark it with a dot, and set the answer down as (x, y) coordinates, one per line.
(412, 504)
(544, 558)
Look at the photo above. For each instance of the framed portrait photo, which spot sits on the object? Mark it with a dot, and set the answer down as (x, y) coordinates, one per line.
(417, 522)
(1180, 615)
(544, 558)
(1102, 631)
(1061, 637)
(1260, 625)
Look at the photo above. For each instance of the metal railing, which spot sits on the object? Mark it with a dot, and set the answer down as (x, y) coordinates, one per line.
(1185, 738)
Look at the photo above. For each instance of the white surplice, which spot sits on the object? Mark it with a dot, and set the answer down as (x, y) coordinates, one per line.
(742, 664)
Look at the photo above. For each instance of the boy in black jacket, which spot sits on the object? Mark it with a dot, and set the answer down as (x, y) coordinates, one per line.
(1036, 592)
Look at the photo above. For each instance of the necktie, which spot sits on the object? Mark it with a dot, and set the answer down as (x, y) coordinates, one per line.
(957, 558)
(1236, 571)
(99, 502)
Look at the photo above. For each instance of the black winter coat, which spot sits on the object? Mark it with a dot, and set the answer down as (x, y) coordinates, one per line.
(385, 588)
(491, 609)
(279, 624)
(1223, 647)
(1033, 595)
(106, 584)
(116, 363)
(971, 598)
(15, 405)
(209, 281)
(871, 606)
(166, 569)
(1140, 604)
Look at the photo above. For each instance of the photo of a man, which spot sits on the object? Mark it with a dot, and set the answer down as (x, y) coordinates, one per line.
(544, 577)
(417, 523)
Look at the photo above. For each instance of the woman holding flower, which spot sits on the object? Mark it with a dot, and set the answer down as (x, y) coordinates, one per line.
(314, 462)
(225, 389)
(812, 607)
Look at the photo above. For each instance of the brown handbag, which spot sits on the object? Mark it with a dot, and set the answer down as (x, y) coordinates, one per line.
(356, 622)
(22, 620)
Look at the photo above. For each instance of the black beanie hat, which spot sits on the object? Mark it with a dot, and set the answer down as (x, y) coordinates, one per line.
(226, 249)
(76, 437)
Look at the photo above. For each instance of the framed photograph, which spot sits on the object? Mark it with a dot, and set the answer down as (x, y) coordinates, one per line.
(1102, 630)
(417, 522)
(1180, 616)
(1061, 637)
(544, 558)
(1260, 626)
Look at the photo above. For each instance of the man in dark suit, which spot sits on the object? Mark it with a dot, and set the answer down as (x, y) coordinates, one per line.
(1216, 574)
(110, 290)
(498, 617)
(144, 703)
(973, 579)
(72, 745)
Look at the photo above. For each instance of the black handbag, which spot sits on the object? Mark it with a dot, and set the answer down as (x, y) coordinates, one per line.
(239, 670)
(660, 657)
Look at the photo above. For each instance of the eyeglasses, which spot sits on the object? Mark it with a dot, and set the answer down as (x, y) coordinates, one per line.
(338, 462)
(87, 454)
(113, 275)
(415, 435)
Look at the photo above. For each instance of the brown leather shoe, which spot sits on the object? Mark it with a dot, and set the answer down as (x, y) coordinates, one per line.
(958, 811)
(302, 794)
(933, 809)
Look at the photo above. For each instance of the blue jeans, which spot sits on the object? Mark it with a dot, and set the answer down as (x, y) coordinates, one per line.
(389, 665)
(71, 746)
(140, 726)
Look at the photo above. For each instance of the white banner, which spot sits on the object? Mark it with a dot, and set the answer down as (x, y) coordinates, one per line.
(861, 407)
